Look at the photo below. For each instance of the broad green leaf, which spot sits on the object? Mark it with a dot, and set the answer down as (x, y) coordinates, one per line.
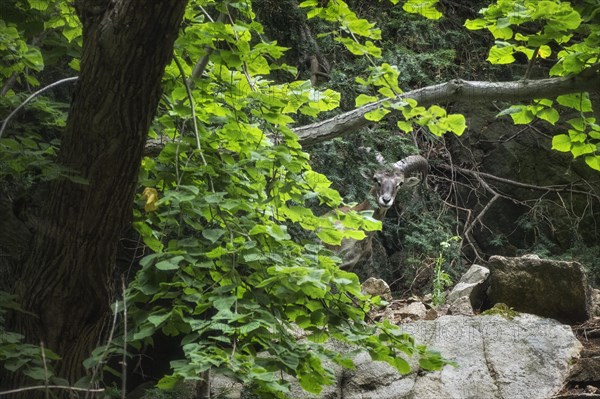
(561, 142)
(577, 101)
(501, 54)
(157, 319)
(476, 24)
(501, 33)
(578, 149)
(544, 51)
(405, 126)
(456, 123)
(309, 3)
(213, 235)
(577, 136)
(363, 99)
(593, 161)
(523, 116)
(425, 8)
(549, 114)
(169, 264)
(377, 114)
(330, 236)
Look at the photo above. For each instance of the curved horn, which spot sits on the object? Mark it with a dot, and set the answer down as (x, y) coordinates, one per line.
(412, 163)
(378, 155)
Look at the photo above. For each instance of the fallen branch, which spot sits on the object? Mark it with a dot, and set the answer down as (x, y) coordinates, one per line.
(456, 90)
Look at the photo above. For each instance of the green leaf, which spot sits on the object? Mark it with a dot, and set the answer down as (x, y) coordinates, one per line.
(501, 32)
(561, 142)
(363, 99)
(377, 114)
(158, 319)
(501, 54)
(577, 101)
(579, 149)
(309, 3)
(169, 264)
(36, 373)
(330, 236)
(456, 123)
(213, 235)
(405, 126)
(544, 51)
(476, 24)
(425, 8)
(549, 114)
(593, 161)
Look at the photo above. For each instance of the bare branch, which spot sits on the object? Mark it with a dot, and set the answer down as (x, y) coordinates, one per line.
(555, 189)
(37, 387)
(31, 97)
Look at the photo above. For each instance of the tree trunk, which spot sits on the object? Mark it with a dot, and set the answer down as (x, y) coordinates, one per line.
(66, 277)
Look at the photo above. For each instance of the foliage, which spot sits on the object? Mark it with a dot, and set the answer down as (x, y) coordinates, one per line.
(589, 257)
(541, 30)
(31, 360)
(501, 309)
(219, 203)
(239, 271)
(382, 79)
(441, 279)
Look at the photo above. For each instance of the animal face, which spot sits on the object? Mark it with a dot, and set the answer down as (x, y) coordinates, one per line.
(387, 185)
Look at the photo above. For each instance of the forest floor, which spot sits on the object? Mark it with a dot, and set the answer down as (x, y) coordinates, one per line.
(584, 381)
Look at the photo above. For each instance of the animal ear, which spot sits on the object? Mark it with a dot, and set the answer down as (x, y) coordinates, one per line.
(366, 175)
(411, 181)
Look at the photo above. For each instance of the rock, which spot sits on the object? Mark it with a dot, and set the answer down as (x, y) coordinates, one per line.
(374, 380)
(595, 311)
(586, 370)
(461, 306)
(469, 293)
(526, 357)
(498, 358)
(415, 310)
(406, 310)
(225, 387)
(547, 288)
(376, 286)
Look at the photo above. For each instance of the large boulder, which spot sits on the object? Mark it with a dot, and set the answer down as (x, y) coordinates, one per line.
(544, 287)
(498, 358)
(469, 294)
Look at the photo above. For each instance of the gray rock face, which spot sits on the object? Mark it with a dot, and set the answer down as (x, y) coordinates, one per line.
(469, 293)
(527, 357)
(547, 288)
(376, 286)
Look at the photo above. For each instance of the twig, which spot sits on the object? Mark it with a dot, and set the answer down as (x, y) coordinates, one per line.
(531, 62)
(203, 62)
(193, 110)
(556, 189)
(124, 360)
(109, 341)
(31, 97)
(66, 388)
(47, 394)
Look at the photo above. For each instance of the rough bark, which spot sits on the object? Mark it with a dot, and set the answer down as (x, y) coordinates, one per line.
(65, 279)
(453, 91)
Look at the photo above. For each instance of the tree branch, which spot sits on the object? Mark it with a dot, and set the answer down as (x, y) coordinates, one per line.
(456, 90)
